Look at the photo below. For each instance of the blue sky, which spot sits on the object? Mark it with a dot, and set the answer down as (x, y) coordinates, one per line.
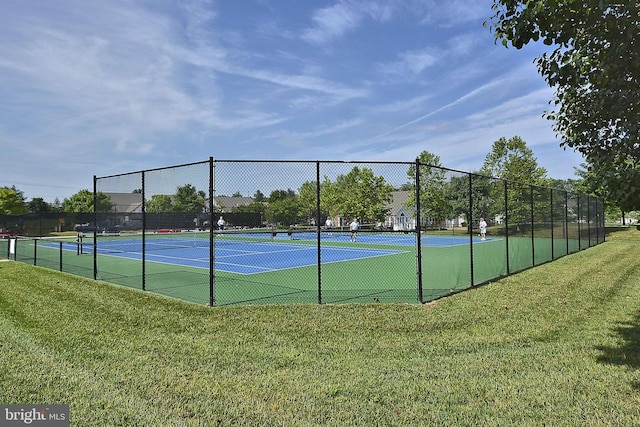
(107, 87)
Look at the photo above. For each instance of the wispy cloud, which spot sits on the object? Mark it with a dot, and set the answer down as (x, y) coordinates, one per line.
(475, 92)
(411, 63)
(331, 23)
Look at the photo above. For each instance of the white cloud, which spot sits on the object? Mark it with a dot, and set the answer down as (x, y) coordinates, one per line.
(333, 22)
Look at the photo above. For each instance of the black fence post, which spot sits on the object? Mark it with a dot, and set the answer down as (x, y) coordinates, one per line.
(552, 231)
(144, 233)
(95, 228)
(418, 235)
(470, 216)
(60, 256)
(212, 255)
(533, 239)
(579, 223)
(319, 246)
(506, 222)
(566, 219)
(589, 221)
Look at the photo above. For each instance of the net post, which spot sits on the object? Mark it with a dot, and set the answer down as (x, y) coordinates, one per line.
(60, 255)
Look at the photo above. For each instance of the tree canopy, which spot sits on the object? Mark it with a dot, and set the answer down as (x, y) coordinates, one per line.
(82, 202)
(433, 183)
(361, 194)
(12, 201)
(595, 70)
(188, 199)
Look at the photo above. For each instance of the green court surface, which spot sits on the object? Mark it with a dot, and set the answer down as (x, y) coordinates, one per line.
(446, 267)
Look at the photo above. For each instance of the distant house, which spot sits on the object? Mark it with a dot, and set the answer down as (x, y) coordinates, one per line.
(400, 217)
(126, 202)
(226, 204)
(127, 210)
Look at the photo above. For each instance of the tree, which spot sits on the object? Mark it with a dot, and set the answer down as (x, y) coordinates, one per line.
(259, 197)
(12, 201)
(188, 199)
(254, 207)
(513, 160)
(283, 211)
(276, 195)
(361, 194)
(595, 70)
(432, 177)
(307, 199)
(283, 207)
(82, 202)
(38, 205)
(159, 203)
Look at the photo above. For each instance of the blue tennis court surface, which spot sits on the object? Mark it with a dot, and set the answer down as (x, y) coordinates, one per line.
(252, 253)
(235, 256)
(387, 238)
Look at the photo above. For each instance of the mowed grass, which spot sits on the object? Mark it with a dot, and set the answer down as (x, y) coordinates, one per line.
(555, 345)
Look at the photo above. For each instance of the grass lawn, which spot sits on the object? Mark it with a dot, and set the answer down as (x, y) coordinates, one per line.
(555, 345)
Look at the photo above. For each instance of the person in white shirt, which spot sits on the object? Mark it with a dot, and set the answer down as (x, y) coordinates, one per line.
(354, 226)
(483, 229)
(328, 225)
(221, 224)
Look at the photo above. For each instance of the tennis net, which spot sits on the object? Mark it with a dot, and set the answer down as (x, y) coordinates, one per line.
(175, 240)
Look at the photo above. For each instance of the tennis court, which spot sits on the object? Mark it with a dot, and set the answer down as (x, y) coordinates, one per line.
(247, 252)
(264, 266)
(258, 266)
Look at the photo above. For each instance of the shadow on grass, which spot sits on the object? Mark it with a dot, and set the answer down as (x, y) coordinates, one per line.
(627, 354)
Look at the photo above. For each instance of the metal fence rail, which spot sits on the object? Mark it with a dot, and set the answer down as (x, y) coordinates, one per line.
(418, 239)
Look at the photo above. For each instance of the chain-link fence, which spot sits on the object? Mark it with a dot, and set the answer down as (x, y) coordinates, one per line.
(223, 232)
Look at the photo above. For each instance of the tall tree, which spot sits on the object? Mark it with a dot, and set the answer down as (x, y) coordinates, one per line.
(512, 160)
(12, 201)
(82, 202)
(259, 197)
(159, 203)
(283, 211)
(188, 199)
(283, 207)
(38, 205)
(361, 194)
(595, 70)
(276, 195)
(432, 177)
(307, 199)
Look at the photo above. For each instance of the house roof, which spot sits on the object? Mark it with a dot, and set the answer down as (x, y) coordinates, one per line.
(227, 203)
(126, 202)
(132, 202)
(399, 202)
